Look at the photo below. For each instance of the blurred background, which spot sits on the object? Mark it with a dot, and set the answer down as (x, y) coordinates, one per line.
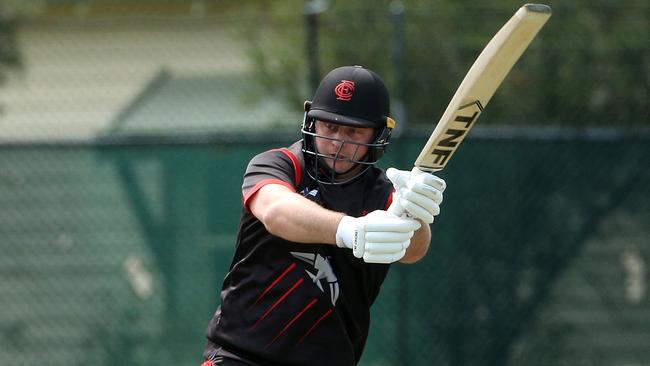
(126, 126)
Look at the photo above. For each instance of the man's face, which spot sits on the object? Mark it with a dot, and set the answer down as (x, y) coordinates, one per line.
(346, 150)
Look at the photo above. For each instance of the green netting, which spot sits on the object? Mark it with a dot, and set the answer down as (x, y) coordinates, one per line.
(113, 254)
(121, 155)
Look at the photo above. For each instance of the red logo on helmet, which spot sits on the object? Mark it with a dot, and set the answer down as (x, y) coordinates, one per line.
(344, 90)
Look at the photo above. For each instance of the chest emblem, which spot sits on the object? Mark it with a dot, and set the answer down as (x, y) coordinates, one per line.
(310, 193)
(322, 273)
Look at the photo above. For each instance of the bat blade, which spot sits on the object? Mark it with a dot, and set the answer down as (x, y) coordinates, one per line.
(480, 83)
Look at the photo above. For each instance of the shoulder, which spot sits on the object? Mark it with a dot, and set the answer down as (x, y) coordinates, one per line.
(284, 160)
(291, 154)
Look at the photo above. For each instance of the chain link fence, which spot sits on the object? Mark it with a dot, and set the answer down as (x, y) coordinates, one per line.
(125, 128)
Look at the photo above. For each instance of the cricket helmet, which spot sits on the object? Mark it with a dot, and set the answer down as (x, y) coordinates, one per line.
(350, 96)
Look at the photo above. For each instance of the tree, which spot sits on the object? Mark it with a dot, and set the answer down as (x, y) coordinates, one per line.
(587, 67)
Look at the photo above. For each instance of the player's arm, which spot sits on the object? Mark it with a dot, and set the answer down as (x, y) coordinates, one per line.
(378, 237)
(293, 217)
(419, 245)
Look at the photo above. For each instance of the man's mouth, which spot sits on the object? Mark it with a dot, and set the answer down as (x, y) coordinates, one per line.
(339, 157)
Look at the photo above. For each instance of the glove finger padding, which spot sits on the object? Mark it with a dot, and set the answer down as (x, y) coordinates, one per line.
(419, 206)
(417, 211)
(386, 248)
(383, 258)
(387, 237)
(428, 179)
(398, 177)
(418, 193)
(420, 200)
(425, 190)
(393, 224)
(378, 237)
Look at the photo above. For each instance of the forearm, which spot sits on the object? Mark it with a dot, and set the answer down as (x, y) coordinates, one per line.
(295, 218)
(419, 245)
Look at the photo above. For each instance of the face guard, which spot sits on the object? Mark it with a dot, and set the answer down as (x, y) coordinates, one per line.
(319, 170)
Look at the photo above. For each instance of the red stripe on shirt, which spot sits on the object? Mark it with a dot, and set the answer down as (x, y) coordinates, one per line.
(251, 192)
(327, 313)
(284, 296)
(296, 165)
(275, 282)
(293, 320)
(389, 201)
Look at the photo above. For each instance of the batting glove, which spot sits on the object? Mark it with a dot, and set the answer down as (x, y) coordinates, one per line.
(417, 192)
(378, 237)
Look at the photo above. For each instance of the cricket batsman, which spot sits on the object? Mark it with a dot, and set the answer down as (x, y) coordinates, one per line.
(315, 240)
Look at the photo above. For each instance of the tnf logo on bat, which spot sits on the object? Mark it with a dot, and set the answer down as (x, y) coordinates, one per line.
(448, 142)
(344, 90)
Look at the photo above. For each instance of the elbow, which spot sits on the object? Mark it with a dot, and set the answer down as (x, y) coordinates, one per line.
(273, 219)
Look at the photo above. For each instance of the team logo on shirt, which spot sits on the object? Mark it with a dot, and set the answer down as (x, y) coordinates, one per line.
(310, 193)
(324, 272)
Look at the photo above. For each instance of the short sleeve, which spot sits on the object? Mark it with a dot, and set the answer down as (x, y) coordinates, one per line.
(277, 166)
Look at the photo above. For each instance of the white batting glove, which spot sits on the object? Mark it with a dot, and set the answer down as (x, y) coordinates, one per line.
(378, 237)
(417, 192)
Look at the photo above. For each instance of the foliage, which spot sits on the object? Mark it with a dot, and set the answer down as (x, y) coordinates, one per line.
(588, 66)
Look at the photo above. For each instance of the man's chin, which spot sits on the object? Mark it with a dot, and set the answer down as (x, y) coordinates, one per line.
(340, 169)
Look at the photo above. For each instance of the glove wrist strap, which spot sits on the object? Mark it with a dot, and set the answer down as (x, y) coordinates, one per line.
(345, 232)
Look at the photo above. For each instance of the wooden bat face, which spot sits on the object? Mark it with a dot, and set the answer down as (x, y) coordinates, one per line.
(480, 83)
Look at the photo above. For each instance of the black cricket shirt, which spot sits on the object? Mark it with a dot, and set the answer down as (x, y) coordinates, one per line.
(286, 303)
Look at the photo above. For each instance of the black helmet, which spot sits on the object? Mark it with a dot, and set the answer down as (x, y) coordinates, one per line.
(350, 96)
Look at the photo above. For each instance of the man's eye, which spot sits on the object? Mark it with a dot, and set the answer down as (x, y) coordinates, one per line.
(356, 132)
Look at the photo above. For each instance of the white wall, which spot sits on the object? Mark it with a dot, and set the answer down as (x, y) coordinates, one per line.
(79, 74)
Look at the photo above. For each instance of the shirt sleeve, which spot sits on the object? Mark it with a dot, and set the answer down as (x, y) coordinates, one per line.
(277, 166)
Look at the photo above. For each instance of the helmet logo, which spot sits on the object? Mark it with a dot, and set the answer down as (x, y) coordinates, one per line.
(344, 90)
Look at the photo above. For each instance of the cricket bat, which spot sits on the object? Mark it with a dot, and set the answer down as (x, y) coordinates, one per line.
(480, 83)
(478, 86)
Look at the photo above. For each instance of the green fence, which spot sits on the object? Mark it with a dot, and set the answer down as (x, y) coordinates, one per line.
(120, 193)
(113, 254)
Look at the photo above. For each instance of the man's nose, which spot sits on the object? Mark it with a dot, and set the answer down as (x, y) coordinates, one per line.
(338, 138)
